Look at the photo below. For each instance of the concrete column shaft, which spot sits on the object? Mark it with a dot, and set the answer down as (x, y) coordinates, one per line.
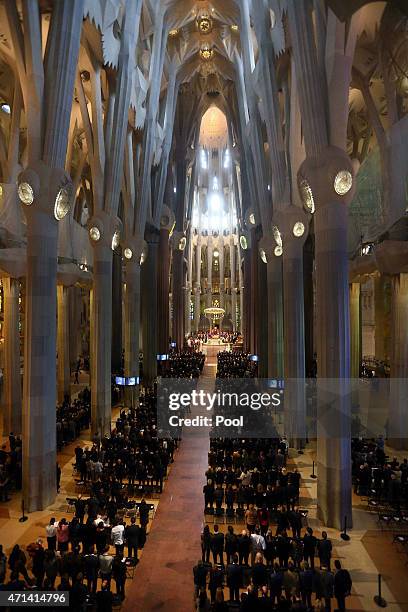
(163, 291)
(333, 359)
(40, 397)
(275, 316)
(149, 311)
(355, 336)
(12, 419)
(398, 421)
(63, 334)
(101, 338)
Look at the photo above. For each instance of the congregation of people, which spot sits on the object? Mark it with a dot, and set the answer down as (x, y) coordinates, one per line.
(184, 364)
(89, 559)
(235, 365)
(269, 563)
(378, 476)
(73, 417)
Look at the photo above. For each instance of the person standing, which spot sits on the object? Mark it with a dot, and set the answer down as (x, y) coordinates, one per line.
(144, 514)
(3, 565)
(206, 544)
(117, 535)
(251, 517)
(342, 585)
(326, 587)
(51, 533)
(324, 550)
(234, 578)
(217, 545)
(132, 535)
(244, 545)
(119, 575)
(309, 547)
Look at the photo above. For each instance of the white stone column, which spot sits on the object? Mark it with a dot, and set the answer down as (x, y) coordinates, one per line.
(63, 334)
(12, 418)
(163, 291)
(275, 308)
(39, 434)
(222, 271)
(398, 405)
(149, 307)
(197, 286)
(101, 338)
(241, 293)
(132, 317)
(232, 250)
(210, 250)
(178, 289)
(355, 334)
(188, 286)
(293, 238)
(132, 308)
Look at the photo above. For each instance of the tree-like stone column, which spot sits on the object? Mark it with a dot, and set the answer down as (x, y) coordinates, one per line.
(273, 256)
(197, 285)
(398, 405)
(292, 223)
(163, 291)
(12, 418)
(355, 330)
(149, 306)
(63, 332)
(178, 293)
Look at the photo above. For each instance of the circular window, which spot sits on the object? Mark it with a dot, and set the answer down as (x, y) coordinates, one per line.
(307, 196)
(26, 193)
(62, 203)
(343, 182)
(95, 234)
(298, 229)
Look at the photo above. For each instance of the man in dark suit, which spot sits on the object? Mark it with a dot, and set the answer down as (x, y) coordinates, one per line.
(342, 585)
(200, 572)
(80, 505)
(244, 545)
(324, 549)
(104, 598)
(217, 545)
(132, 535)
(234, 578)
(309, 547)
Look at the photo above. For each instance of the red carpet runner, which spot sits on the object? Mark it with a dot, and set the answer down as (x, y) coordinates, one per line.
(164, 577)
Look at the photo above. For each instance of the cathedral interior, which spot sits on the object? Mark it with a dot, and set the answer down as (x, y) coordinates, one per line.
(199, 197)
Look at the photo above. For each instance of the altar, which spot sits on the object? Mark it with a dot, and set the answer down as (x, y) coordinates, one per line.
(212, 347)
(214, 341)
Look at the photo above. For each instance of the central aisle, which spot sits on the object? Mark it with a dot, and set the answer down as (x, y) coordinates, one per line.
(164, 577)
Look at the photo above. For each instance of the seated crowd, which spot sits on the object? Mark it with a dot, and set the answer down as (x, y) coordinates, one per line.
(235, 365)
(186, 364)
(132, 454)
(377, 476)
(10, 467)
(73, 417)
